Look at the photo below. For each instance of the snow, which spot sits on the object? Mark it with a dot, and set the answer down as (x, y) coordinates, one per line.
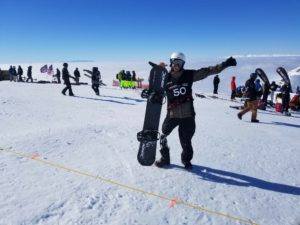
(72, 160)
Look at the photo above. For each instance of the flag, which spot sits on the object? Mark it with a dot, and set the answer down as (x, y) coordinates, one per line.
(44, 69)
(50, 70)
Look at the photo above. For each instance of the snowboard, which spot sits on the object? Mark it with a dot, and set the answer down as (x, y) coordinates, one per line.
(149, 136)
(262, 75)
(284, 75)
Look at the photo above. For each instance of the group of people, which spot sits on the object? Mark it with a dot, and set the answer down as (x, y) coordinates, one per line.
(17, 75)
(256, 95)
(126, 79)
(95, 76)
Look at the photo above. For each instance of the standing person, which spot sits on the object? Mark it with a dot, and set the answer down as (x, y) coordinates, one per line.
(133, 80)
(273, 88)
(180, 109)
(20, 73)
(285, 90)
(266, 91)
(66, 77)
(29, 74)
(77, 75)
(233, 88)
(258, 88)
(10, 72)
(298, 90)
(58, 75)
(120, 77)
(216, 84)
(15, 74)
(251, 95)
(96, 76)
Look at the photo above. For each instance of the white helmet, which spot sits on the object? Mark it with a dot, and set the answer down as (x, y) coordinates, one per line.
(178, 55)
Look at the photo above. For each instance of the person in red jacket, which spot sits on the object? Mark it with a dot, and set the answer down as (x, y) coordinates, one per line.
(233, 88)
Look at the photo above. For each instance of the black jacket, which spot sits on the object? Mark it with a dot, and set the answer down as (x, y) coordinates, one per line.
(66, 75)
(216, 80)
(250, 90)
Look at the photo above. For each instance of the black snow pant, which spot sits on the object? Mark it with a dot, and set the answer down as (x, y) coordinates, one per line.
(233, 95)
(285, 103)
(29, 79)
(216, 88)
(186, 130)
(95, 87)
(68, 87)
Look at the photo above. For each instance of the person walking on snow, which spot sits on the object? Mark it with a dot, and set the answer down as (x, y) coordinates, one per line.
(96, 77)
(233, 88)
(66, 77)
(251, 94)
(29, 74)
(180, 109)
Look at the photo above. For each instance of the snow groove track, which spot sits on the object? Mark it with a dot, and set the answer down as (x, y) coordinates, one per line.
(78, 172)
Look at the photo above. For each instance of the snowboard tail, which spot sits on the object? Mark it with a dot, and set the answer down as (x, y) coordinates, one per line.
(149, 136)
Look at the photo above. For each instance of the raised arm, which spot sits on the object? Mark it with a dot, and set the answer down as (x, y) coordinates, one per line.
(207, 71)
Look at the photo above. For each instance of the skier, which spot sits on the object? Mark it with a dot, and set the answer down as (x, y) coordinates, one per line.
(96, 76)
(251, 96)
(77, 75)
(233, 88)
(29, 74)
(180, 109)
(66, 77)
(216, 84)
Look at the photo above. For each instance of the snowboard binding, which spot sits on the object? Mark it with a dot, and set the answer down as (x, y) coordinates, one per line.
(148, 135)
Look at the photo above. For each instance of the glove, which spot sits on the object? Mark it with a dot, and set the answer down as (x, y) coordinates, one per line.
(229, 62)
(145, 93)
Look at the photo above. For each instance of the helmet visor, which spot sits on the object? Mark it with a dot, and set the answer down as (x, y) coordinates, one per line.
(178, 62)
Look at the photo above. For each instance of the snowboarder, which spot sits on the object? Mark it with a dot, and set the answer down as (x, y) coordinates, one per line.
(57, 75)
(251, 96)
(258, 88)
(96, 76)
(233, 88)
(180, 109)
(20, 73)
(298, 90)
(77, 75)
(285, 91)
(216, 84)
(29, 74)
(66, 77)
(273, 88)
(266, 91)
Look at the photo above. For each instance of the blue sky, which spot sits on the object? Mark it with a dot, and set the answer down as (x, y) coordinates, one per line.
(59, 30)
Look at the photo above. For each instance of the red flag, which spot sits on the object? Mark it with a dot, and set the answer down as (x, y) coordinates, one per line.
(44, 69)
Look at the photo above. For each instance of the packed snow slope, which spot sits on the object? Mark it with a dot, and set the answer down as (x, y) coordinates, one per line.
(72, 160)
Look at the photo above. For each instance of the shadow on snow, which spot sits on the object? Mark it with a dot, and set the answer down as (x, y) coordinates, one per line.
(105, 100)
(230, 178)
